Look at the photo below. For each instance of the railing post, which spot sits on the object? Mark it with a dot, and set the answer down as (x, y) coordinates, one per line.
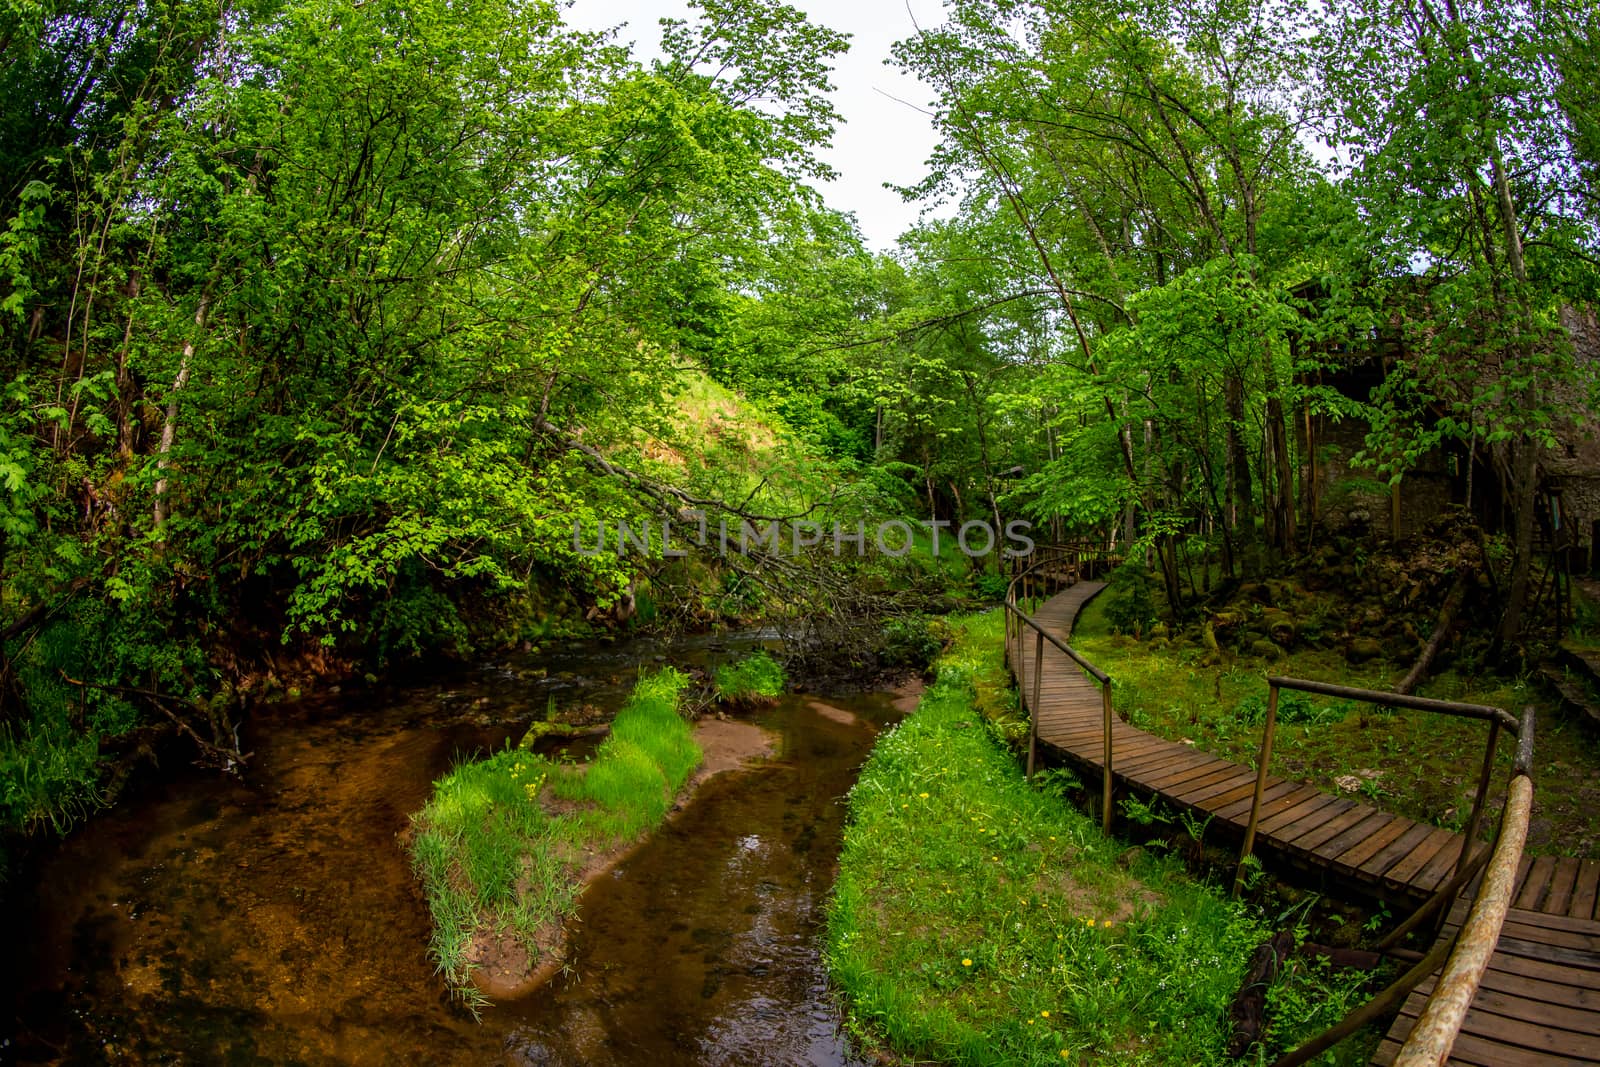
(1033, 712)
(1105, 789)
(1475, 820)
(1261, 784)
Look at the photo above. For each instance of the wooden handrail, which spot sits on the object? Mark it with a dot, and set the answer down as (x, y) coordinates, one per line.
(1061, 646)
(1497, 718)
(1465, 956)
(1433, 1036)
(1023, 586)
(1398, 700)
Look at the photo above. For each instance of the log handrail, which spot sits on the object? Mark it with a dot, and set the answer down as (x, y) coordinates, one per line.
(1464, 956)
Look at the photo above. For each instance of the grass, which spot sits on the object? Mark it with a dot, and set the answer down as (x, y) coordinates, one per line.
(756, 679)
(977, 919)
(501, 846)
(1417, 764)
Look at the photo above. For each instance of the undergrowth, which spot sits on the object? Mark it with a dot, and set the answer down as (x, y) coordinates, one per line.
(501, 846)
(979, 920)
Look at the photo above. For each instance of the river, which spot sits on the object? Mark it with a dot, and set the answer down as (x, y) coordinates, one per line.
(276, 920)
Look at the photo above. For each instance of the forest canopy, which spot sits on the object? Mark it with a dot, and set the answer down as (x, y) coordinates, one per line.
(324, 323)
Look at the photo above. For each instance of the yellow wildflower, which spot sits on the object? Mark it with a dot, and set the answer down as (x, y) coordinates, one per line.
(966, 963)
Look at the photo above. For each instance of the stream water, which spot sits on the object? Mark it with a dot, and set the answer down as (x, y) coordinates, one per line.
(277, 921)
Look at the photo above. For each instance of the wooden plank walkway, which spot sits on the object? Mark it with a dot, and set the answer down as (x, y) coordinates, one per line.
(1539, 1004)
(1539, 1001)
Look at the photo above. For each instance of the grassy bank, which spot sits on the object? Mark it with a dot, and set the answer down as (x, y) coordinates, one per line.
(980, 920)
(502, 845)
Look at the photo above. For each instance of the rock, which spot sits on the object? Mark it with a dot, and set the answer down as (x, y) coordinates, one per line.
(1362, 649)
(1130, 857)
(1265, 649)
(1280, 592)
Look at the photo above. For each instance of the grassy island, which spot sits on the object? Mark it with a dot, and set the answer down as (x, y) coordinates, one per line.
(506, 844)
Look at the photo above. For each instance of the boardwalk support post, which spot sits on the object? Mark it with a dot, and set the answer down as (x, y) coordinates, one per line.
(1105, 797)
(1261, 784)
(1033, 710)
(1475, 821)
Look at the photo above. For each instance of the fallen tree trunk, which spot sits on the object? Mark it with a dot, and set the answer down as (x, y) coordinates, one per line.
(1447, 621)
(1249, 1008)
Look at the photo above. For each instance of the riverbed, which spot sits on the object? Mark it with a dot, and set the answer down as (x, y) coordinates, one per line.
(276, 920)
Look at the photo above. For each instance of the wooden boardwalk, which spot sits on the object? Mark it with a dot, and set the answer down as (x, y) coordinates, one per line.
(1539, 1003)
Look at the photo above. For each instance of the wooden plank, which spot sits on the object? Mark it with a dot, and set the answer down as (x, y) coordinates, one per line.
(1574, 1021)
(1224, 776)
(1309, 841)
(1363, 848)
(1161, 761)
(1543, 920)
(1334, 844)
(1585, 891)
(1239, 810)
(1528, 1036)
(1568, 996)
(1166, 773)
(1294, 800)
(1438, 839)
(1395, 851)
(1587, 941)
(1540, 948)
(1207, 796)
(1177, 778)
(1438, 870)
(1562, 882)
(1473, 1049)
(1544, 971)
(1533, 886)
(1137, 759)
(1224, 798)
(1291, 824)
(1077, 735)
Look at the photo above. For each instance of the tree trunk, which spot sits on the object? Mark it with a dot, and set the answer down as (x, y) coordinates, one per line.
(1244, 517)
(1447, 621)
(169, 426)
(1523, 488)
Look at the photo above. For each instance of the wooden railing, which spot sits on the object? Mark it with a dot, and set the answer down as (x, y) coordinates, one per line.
(1465, 956)
(1048, 570)
(1496, 718)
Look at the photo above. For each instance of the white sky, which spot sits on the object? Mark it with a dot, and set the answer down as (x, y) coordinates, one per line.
(880, 139)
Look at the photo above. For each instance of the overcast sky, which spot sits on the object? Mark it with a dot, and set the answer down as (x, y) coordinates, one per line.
(881, 139)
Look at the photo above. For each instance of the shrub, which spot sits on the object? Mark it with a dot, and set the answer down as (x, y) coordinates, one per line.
(1293, 707)
(1130, 606)
(913, 642)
